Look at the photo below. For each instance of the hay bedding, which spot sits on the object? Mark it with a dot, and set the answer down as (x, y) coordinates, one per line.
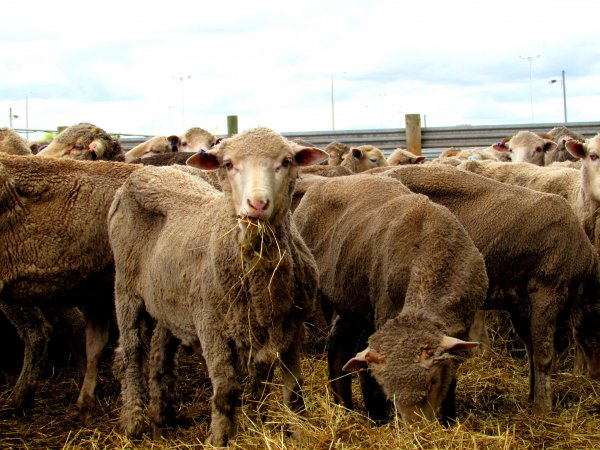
(491, 407)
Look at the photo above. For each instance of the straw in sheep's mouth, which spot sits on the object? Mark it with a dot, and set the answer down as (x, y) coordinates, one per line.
(249, 220)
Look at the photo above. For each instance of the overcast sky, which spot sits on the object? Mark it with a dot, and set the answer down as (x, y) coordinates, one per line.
(162, 67)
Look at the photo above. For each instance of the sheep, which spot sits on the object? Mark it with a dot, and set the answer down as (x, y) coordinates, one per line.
(489, 153)
(364, 157)
(84, 141)
(208, 278)
(154, 146)
(400, 157)
(560, 135)
(383, 255)
(54, 251)
(196, 139)
(578, 187)
(337, 151)
(529, 147)
(12, 144)
(541, 266)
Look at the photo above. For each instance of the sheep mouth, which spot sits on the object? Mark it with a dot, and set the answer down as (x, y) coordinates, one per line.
(250, 220)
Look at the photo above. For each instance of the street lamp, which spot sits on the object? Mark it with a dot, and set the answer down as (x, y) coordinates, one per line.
(182, 79)
(531, 58)
(11, 116)
(564, 89)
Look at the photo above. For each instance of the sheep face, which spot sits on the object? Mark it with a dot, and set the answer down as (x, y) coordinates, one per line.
(83, 141)
(258, 171)
(589, 153)
(196, 139)
(415, 369)
(402, 157)
(154, 146)
(363, 158)
(526, 146)
(336, 151)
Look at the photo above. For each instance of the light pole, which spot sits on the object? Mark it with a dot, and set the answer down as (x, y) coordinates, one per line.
(564, 89)
(332, 107)
(27, 115)
(531, 58)
(182, 79)
(11, 116)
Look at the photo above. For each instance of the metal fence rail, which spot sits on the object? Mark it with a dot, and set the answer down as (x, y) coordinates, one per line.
(434, 139)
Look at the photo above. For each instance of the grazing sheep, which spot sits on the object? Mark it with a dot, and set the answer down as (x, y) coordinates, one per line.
(13, 144)
(384, 256)
(364, 157)
(54, 252)
(227, 271)
(84, 141)
(541, 266)
(337, 151)
(156, 145)
(196, 139)
(560, 135)
(401, 157)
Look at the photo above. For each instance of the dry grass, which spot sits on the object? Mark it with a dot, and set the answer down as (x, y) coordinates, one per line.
(491, 400)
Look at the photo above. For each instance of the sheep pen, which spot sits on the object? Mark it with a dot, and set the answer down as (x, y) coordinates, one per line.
(490, 397)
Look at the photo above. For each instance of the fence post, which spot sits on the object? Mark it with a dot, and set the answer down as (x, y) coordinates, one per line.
(232, 125)
(413, 133)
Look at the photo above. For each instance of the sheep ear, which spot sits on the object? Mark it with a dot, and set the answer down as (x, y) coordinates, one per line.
(356, 153)
(174, 142)
(203, 160)
(419, 159)
(362, 359)
(307, 156)
(452, 344)
(575, 148)
(549, 146)
(500, 147)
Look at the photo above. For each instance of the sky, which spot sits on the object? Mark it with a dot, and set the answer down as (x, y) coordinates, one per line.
(149, 67)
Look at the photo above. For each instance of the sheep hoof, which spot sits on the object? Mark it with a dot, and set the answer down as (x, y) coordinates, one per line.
(132, 427)
(216, 441)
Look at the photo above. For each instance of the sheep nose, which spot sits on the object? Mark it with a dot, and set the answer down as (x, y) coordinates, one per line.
(259, 205)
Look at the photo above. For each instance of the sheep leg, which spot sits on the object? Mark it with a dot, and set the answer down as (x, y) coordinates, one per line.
(34, 330)
(341, 347)
(521, 323)
(261, 375)
(544, 314)
(292, 377)
(220, 360)
(375, 402)
(130, 312)
(164, 348)
(96, 337)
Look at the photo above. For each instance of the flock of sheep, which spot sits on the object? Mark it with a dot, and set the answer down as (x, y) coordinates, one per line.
(229, 247)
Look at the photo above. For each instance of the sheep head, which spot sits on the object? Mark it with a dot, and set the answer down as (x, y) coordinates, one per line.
(589, 153)
(414, 367)
(258, 171)
(529, 147)
(83, 141)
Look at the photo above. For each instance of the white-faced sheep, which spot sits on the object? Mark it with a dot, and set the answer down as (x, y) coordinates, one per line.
(526, 146)
(364, 157)
(84, 141)
(13, 144)
(225, 270)
(401, 157)
(54, 252)
(384, 255)
(541, 267)
(196, 139)
(154, 146)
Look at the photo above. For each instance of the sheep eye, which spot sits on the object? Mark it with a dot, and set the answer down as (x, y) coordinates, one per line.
(593, 157)
(538, 149)
(184, 144)
(287, 162)
(228, 165)
(78, 147)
